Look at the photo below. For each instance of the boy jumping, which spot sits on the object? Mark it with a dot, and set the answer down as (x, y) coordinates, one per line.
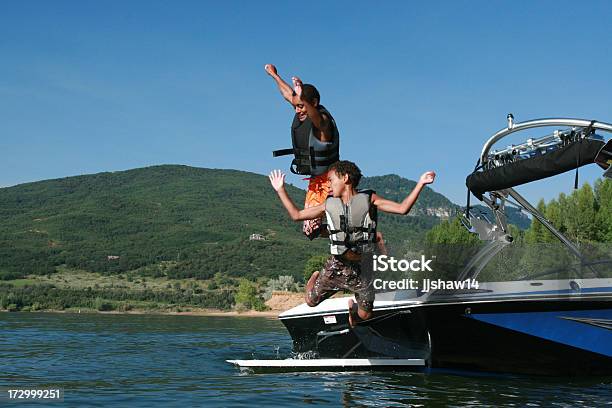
(351, 223)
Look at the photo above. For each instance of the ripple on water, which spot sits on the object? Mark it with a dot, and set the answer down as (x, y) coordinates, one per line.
(139, 360)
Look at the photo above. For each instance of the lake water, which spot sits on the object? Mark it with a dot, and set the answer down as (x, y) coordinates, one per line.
(146, 360)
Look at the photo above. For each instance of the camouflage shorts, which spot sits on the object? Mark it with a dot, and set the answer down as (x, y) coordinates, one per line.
(341, 275)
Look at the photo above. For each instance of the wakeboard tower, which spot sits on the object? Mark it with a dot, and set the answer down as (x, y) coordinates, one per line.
(541, 322)
(497, 172)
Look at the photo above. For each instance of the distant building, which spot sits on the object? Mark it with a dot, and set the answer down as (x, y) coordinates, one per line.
(111, 257)
(257, 237)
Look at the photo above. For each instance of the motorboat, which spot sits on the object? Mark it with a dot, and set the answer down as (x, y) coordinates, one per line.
(533, 309)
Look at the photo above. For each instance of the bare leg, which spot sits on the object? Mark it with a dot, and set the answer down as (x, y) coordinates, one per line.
(309, 286)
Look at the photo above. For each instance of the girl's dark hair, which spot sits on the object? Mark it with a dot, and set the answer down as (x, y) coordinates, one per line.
(343, 167)
(310, 93)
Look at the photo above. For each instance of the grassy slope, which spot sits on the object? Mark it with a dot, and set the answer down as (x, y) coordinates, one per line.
(200, 219)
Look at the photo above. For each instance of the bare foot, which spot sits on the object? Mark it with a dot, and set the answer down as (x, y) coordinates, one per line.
(309, 286)
(357, 315)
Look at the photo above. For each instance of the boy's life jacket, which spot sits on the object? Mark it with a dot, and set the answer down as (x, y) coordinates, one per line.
(312, 157)
(351, 226)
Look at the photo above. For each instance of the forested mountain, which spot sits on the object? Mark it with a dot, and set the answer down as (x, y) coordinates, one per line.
(177, 221)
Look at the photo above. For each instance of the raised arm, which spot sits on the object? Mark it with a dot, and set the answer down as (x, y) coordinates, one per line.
(277, 179)
(404, 207)
(283, 87)
(319, 120)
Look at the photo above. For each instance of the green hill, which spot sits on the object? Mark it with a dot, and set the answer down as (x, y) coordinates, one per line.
(174, 221)
(429, 209)
(397, 188)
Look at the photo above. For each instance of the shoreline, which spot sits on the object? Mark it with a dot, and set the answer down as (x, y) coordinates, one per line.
(200, 312)
(279, 302)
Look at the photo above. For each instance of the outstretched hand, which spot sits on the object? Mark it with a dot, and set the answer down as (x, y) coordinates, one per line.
(297, 85)
(277, 179)
(270, 69)
(428, 177)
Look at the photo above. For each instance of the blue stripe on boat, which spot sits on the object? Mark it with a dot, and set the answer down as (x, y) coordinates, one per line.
(556, 327)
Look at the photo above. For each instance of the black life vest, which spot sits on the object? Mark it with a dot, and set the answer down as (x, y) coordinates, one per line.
(312, 157)
(352, 225)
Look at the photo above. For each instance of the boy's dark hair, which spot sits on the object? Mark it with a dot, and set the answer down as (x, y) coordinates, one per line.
(349, 168)
(310, 93)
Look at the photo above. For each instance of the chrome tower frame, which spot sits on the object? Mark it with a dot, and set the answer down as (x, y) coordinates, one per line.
(550, 122)
(497, 232)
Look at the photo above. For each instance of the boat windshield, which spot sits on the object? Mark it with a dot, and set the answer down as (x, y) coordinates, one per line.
(489, 262)
(522, 261)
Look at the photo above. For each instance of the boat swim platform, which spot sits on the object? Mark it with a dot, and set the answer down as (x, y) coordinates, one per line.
(330, 364)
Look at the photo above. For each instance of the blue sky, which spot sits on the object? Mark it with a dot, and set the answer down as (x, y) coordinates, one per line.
(91, 86)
